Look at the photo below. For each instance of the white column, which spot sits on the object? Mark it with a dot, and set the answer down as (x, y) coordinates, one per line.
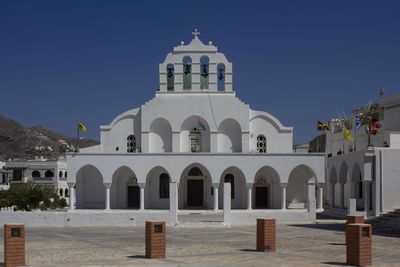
(107, 186)
(227, 203)
(173, 200)
(320, 197)
(71, 191)
(283, 201)
(342, 195)
(141, 196)
(249, 195)
(215, 198)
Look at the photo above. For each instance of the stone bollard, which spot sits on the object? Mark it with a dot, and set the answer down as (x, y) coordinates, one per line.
(155, 240)
(14, 245)
(350, 219)
(266, 235)
(359, 246)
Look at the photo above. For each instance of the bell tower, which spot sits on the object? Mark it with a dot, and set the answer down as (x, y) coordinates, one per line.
(195, 67)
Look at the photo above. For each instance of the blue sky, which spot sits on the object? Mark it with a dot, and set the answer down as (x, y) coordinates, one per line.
(299, 60)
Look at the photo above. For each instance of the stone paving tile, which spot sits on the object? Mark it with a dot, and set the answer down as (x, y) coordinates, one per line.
(297, 245)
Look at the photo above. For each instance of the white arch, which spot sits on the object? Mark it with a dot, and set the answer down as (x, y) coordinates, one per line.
(160, 137)
(187, 125)
(90, 192)
(229, 136)
(122, 177)
(152, 189)
(301, 186)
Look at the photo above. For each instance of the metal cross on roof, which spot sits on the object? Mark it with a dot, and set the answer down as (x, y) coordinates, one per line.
(196, 34)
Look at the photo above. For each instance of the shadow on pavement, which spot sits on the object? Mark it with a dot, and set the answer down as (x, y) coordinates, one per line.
(248, 250)
(334, 263)
(137, 257)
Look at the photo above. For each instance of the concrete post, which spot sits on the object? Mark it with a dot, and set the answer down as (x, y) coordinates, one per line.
(71, 195)
(215, 197)
(141, 196)
(173, 201)
(320, 197)
(352, 208)
(249, 195)
(107, 186)
(283, 200)
(227, 203)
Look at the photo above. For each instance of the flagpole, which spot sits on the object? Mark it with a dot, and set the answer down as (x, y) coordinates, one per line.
(355, 134)
(77, 136)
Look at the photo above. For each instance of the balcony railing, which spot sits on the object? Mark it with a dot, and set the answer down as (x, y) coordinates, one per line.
(41, 179)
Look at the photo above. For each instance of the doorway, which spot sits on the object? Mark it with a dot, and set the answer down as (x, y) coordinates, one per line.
(133, 197)
(195, 193)
(261, 197)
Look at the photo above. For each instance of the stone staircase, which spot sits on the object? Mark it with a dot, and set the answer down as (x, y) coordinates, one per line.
(388, 220)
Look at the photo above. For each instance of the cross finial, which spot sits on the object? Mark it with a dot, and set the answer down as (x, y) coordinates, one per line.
(196, 34)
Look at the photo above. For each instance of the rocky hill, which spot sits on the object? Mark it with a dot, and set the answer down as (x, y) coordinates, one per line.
(16, 141)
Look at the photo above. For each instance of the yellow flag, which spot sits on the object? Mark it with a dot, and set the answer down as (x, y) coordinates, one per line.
(347, 135)
(81, 127)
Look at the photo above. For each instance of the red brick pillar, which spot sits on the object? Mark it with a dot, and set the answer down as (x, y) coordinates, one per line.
(155, 240)
(359, 246)
(14, 245)
(266, 235)
(350, 219)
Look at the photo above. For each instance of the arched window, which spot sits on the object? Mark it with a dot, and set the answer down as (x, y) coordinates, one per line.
(204, 71)
(49, 174)
(60, 174)
(229, 178)
(164, 185)
(66, 193)
(187, 73)
(221, 77)
(261, 144)
(61, 192)
(170, 77)
(35, 174)
(195, 172)
(131, 144)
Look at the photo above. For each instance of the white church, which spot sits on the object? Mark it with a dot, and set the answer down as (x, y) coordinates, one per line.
(175, 152)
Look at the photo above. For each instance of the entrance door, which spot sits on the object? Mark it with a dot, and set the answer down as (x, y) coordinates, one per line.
(133, 197)
(261, 197)
(195, 193)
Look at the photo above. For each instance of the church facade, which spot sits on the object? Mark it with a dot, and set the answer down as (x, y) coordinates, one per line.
(177, 150)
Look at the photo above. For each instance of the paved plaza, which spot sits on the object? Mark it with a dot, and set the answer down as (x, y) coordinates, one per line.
(320, 244)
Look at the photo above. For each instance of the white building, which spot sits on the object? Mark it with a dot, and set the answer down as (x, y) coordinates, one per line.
(370, 175)
(40, 171)
(176, 150)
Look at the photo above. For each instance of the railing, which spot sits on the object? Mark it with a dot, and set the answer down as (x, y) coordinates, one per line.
(39, 179)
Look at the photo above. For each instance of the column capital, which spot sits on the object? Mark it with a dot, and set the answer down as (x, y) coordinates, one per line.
(284, 185)
(142, 185)
(71, 184)
(321, 185)
(215, 185)
(249, 185)
(107, 184)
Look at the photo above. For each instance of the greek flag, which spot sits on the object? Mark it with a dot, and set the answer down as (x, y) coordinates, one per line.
(358, 122)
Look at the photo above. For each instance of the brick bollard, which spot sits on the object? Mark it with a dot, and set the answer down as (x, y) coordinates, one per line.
(14, 245)
(359, 246)
(155, 240)
(266, 235)
(350, 219)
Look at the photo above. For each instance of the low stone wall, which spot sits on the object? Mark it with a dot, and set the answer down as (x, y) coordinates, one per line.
(85, 218)
(287, 216)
